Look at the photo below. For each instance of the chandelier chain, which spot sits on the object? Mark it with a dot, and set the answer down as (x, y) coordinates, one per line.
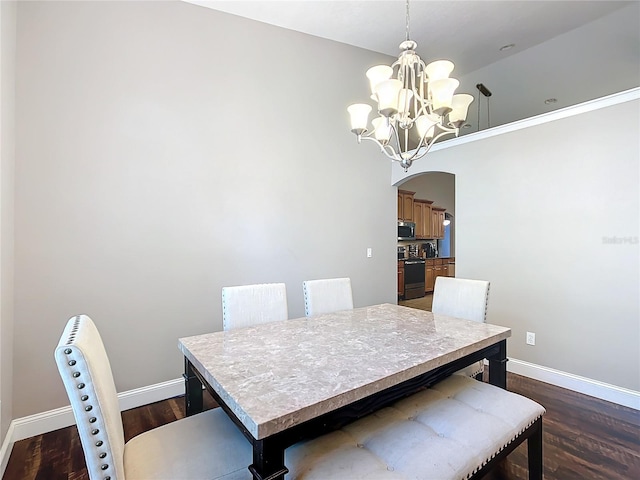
(407, 21)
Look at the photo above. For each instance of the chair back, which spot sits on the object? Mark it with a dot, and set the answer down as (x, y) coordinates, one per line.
(86, 373)
(461, 298)
(327, 295)
(247, 305)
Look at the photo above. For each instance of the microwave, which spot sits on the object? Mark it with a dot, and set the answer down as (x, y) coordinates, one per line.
(406, 231)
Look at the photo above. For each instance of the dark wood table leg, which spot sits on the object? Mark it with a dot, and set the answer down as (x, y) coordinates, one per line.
(534, 452)
(498, 366)
(192, 390)
(268, 460)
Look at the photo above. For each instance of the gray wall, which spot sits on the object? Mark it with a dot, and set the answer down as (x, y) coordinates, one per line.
(592, 60)
(165, 150)
(7, 160)
(534, 211)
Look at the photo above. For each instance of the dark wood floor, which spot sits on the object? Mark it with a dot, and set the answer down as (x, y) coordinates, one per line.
(584, 439)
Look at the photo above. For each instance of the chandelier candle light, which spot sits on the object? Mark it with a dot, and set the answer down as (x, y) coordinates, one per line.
(410, 94)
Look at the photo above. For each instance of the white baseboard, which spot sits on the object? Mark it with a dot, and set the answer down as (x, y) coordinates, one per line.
(5, 451)
(44, 422)
(587, 386)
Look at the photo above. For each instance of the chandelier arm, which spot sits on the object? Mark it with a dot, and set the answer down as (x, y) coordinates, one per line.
(394, 129)
(386, 149)
(448, 129)
(441, 134)
(417, 154)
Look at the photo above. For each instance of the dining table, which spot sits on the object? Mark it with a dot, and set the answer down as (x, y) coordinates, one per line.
(285, 381)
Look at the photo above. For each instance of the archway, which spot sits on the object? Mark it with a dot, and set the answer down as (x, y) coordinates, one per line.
(436, 192)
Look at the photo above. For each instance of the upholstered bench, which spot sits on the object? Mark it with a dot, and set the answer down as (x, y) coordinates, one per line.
(456, 429)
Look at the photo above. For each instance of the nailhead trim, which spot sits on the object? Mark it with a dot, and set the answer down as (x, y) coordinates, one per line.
(84, 398)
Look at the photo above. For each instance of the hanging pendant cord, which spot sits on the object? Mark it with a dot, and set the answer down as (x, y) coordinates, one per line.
(407, 33)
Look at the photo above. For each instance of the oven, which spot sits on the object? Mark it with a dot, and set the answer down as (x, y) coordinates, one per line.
(414, 278)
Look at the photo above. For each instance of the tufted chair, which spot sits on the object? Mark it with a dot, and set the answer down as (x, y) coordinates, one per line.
(462, 298)
(247, 305)
(207, 445)
(326, 296)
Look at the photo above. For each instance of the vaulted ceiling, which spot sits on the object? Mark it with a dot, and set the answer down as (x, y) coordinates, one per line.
(571, 51)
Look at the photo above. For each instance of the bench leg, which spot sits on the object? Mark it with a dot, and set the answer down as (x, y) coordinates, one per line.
(534, 452)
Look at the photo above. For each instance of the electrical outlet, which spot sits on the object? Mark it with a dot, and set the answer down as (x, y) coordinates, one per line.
(369, 253)
(531, 338)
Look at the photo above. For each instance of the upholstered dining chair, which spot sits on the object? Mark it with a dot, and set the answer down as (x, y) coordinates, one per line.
(247, 305)
(206, 445)
(462, 298)
(327, 295)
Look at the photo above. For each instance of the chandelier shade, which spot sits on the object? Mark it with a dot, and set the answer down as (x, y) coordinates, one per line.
(416, 105)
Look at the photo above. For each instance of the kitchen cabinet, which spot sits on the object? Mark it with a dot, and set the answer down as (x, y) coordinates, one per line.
(437, 222)
(452, 267)
(437, 269)
(405, 205)
(422, 218)
(400, 279)
(429, 277)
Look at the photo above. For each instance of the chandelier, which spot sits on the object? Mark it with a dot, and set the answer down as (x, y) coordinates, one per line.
(416, 105)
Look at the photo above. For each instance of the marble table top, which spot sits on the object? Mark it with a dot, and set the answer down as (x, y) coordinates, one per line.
(276, 375)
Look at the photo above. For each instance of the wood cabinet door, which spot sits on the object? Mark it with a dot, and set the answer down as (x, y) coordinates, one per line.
(426, 216)
(437, 222)
(437, 271)
(429, 278)
(407, 207)
(434, 224)
(452, 269)
(401, 282)
(418, 218)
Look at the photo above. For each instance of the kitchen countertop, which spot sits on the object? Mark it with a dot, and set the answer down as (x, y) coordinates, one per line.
(431, 258)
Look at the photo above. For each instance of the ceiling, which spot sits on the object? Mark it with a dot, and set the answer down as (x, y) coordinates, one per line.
(471, 34)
